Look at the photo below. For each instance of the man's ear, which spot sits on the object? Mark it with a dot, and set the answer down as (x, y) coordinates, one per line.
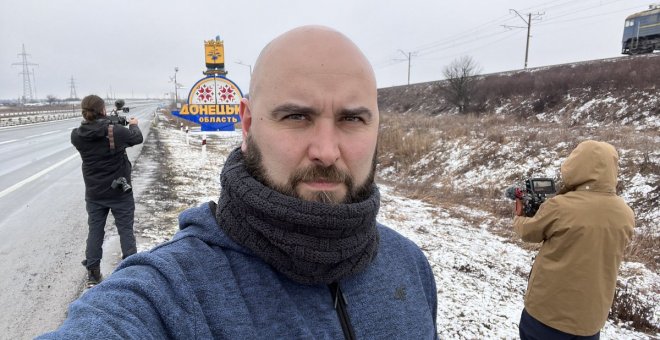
(246, 120)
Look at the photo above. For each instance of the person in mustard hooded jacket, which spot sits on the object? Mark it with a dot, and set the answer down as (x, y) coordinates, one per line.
(584, 229)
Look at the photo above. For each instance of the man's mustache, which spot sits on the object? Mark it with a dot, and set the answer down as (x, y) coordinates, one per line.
(319, 173)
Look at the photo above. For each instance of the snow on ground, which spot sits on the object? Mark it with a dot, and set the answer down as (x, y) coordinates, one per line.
(481, 278)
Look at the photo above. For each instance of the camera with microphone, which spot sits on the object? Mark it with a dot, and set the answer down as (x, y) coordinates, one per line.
(114, 116)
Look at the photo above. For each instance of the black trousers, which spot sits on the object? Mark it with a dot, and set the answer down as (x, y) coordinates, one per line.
(123, 210)
(532, 329)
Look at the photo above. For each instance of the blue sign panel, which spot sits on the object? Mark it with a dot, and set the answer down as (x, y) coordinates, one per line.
(213, 103)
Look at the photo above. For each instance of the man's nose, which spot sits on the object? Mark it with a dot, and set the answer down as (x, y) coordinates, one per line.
(324, 147)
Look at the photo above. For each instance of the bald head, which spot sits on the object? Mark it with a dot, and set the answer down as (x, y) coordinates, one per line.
(309, 50)
(310, 126)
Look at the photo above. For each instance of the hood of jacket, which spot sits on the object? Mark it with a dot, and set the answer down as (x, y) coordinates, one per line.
(592, 166)
(93, 130)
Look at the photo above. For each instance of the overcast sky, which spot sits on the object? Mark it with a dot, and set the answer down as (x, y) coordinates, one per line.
(130, 47)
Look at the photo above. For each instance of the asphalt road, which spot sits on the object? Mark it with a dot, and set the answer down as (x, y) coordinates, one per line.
(43, 224)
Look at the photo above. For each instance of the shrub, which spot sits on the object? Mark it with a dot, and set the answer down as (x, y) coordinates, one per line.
(627, 308)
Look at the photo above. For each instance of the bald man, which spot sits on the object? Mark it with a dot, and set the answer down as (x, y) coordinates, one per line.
(292, 249)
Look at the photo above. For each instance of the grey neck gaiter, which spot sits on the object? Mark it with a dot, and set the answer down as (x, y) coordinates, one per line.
(309, 242)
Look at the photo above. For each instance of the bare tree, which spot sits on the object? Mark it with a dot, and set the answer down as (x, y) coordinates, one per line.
(51, 99)
(461, 76)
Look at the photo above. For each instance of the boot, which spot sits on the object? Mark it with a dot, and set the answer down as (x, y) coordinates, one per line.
(94, 277)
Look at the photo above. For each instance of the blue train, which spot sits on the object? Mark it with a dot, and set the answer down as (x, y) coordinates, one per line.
(641, 32)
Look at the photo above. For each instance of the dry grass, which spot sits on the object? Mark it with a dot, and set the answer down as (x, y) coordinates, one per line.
(407, 139)
(403, 142)
(628, 309)
(644, 248)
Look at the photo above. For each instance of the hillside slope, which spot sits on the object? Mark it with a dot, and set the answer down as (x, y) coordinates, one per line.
(527, 131)
(524, 124)
(611, 91)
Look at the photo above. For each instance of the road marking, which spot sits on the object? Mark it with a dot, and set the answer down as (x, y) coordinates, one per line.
(28, 137)
(43, 134)
(35, 176)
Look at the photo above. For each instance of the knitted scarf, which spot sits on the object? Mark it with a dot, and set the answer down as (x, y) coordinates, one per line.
(309, 242)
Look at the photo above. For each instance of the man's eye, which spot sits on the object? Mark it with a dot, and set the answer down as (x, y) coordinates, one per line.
(295, 116)
(356, 119)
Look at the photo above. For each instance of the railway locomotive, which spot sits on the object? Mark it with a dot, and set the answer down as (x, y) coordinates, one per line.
(641, 32)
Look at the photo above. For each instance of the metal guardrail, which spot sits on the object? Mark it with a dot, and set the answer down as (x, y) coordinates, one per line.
(27, 113)
(37, 117)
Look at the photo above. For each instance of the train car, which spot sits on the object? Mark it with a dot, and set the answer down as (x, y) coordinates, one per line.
(641, 32)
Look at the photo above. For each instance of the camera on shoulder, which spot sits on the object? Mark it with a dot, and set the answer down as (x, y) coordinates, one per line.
(533, 193)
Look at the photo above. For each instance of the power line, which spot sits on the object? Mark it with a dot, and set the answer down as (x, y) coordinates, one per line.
(27, 84)
(578, 10)
(462, 38)
(408, 57)
(557, 8)
(554, 20)
(511, 34)
(458, 37)
(34, 81)
(72, 93)
(466, 37)
(568, 3)
(465, 42)
(589, 16)
(470, 32)
(529, 29)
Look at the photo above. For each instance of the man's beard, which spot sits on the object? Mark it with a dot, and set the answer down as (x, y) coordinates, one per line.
(254, 165)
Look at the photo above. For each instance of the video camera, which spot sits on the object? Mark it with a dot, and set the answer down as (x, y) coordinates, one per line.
(533, 194)
(114, 116)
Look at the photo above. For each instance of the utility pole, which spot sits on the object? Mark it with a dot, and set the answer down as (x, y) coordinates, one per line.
(27, 84)
(528, 22)
(407, 56)
(72, 93)
(176, 94)
(34, 81)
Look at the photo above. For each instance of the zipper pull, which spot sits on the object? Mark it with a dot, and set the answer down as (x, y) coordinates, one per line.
(334, 290)
(337, 294)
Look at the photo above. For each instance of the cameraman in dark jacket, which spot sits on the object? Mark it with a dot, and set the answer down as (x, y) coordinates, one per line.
(107, 173)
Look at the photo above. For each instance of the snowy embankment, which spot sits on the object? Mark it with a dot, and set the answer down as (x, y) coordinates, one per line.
(481, 278)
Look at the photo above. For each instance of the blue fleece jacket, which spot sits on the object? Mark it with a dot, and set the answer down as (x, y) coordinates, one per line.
(202, 285)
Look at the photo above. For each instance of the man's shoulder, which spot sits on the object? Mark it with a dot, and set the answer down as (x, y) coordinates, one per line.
(393, 244)
(198, 233)
(391, 235)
